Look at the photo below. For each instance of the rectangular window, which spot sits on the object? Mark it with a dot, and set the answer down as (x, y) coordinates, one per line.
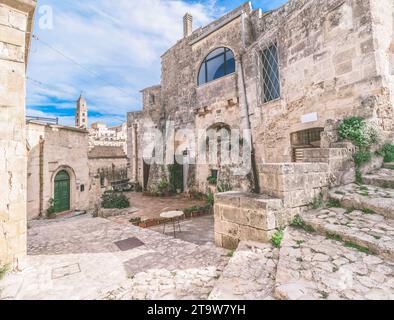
(270, 66)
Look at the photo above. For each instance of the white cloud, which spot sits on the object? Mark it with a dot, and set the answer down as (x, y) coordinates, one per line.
(122, 41)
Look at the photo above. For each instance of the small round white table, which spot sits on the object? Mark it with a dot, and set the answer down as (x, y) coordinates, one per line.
(174, 216)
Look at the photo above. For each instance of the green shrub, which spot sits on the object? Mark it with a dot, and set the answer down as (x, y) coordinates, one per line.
(51, 208)
(299, 223)
(362, 157)
(277, 238)
(212, 180)
(333, 203)
(163, 186)
(317, 202)
(363, 136)
(359, 177)
(211, 198)
(357, 131)
(112, 200)
(387, 152)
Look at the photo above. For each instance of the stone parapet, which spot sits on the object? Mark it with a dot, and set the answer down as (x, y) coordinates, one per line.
(245, 216)
(297, 184)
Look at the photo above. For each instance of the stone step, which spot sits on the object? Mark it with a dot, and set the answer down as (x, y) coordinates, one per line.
(383, 178)
(388, 165)
(371, 231)
(249, 275)
(366, 198)
(313, 267)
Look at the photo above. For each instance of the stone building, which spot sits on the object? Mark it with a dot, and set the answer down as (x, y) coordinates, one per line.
(287, 75)
(102, 135)
(16, 19)
(81, 116)
(107, 168)
(57, 169)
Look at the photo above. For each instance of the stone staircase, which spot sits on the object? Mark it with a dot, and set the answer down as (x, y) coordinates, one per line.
(344, 251)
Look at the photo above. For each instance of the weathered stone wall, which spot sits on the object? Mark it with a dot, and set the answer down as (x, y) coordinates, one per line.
(339, 160)
(335, 60)
(296, 184)
(327, 66)
(63, 148)
(107, 171)
(243, 217)
(15, 27)
(382, 12)
(288, 189)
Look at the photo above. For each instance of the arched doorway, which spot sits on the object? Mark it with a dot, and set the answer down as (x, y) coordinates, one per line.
(62, 192)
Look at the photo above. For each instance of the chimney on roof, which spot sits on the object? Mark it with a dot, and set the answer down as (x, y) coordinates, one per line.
(187, 25)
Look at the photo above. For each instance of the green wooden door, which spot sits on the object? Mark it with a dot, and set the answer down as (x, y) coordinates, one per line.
(62, 192)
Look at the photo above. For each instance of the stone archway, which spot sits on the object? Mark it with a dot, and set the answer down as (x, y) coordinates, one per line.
(61, 197)
(63, 184)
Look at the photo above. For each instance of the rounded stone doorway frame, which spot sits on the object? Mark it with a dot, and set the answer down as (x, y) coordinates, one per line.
(71, 174)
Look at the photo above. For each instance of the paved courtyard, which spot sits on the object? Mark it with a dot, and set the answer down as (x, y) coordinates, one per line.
(199, 230)
(93, 258)
(151, 207)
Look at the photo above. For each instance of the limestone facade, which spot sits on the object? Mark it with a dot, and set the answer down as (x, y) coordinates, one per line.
(107, 167)
(52, 149)
(334, 60)
(16, 18)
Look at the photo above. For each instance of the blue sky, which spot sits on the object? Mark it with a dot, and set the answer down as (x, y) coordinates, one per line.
(109, 52)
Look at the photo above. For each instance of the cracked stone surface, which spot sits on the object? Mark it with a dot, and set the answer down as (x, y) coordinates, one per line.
(383, 178)
(249, 275)
(378, 199)
(373, 231)
(313, 267)
(178, 270)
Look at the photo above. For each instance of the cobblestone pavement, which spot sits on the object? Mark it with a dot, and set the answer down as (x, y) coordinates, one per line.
(369, 230)
(249, 275)
(313, 267)
(199, 230)
(379, 200)
(78, 259)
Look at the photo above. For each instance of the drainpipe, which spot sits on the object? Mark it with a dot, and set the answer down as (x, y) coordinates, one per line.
(244, 103)
(41, 176)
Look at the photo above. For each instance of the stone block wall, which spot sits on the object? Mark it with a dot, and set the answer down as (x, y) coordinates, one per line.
(288, 188)
(297, 184)
(244, 216)
(62, 148)
(339, 160)
(328, 69)
(15, 27)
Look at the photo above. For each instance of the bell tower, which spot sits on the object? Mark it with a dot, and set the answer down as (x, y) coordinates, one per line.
(81, 116)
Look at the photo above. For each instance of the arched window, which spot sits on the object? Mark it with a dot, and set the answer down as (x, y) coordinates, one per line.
(219, 63)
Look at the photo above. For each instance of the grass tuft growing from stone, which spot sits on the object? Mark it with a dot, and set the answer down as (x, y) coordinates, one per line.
(3, 271)
(362, 249)
(350, 210)
(317, 202)
(333, 203)
(364, 193)
(277, 238)
(324, 295)
(333, 236)
(368, 211)
(230, 254)
(299, 223)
